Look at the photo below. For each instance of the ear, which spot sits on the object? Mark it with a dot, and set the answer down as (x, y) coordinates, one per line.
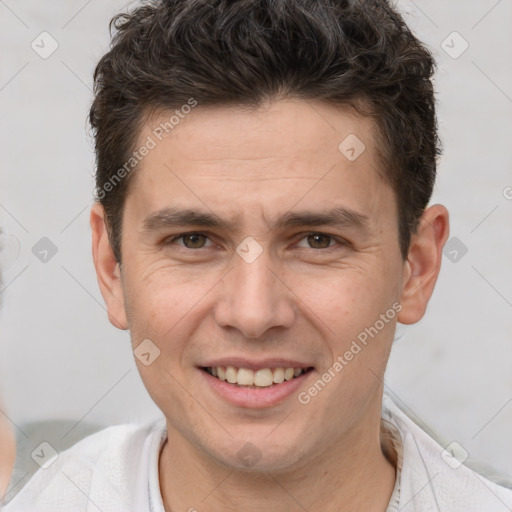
(423, 263)
(108, 271)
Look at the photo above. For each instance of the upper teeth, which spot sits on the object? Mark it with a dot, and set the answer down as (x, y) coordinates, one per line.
(262, 378)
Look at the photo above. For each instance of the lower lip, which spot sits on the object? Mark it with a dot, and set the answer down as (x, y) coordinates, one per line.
(253, 397)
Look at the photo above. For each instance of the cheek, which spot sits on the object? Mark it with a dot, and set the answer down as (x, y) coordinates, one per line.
(156, 291)
(162, 306)
(346, 305)
(155, 313)
(344, 296)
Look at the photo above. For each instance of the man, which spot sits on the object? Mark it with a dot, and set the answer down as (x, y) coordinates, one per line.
(263, 177)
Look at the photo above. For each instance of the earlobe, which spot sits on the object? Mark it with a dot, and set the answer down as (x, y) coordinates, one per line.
(423, 264)
(107, 269)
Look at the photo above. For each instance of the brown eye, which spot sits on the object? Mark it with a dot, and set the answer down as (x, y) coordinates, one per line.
(319, 240)
(192, 240)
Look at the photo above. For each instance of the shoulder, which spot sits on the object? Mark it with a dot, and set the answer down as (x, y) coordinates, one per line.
(435, 475)
(101, 471)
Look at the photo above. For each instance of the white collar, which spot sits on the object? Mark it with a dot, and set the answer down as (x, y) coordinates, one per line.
(427, 479)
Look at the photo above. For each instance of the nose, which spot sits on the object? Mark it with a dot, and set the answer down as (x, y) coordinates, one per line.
(254, 298)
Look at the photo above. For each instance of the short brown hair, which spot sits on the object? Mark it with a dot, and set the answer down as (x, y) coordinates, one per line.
(245, 52)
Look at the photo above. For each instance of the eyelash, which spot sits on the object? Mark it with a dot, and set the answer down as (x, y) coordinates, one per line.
(340, 241)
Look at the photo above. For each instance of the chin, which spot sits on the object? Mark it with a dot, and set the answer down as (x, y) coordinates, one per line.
(259, 455)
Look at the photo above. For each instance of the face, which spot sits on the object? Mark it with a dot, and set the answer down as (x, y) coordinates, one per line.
(253, 240)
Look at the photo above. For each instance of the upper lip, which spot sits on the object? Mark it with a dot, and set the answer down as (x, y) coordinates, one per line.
(253, 364)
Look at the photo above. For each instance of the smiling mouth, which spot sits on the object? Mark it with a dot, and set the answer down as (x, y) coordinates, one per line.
(263, 378)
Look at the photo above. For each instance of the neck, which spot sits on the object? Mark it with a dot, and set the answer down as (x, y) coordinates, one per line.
(354, 474)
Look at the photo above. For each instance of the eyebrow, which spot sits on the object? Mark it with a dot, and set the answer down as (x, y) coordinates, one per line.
(173, 217)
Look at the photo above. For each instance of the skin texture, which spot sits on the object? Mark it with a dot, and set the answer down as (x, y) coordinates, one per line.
(303, 298)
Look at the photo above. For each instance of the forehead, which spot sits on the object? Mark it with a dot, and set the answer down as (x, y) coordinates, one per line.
(295, 129)
(276, 155)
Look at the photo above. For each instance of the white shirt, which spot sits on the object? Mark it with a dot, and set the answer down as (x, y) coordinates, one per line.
(116, 470)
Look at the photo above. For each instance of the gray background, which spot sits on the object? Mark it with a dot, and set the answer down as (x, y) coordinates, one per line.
(60, 357)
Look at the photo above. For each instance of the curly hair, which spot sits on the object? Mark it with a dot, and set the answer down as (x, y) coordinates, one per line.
(353, 53)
